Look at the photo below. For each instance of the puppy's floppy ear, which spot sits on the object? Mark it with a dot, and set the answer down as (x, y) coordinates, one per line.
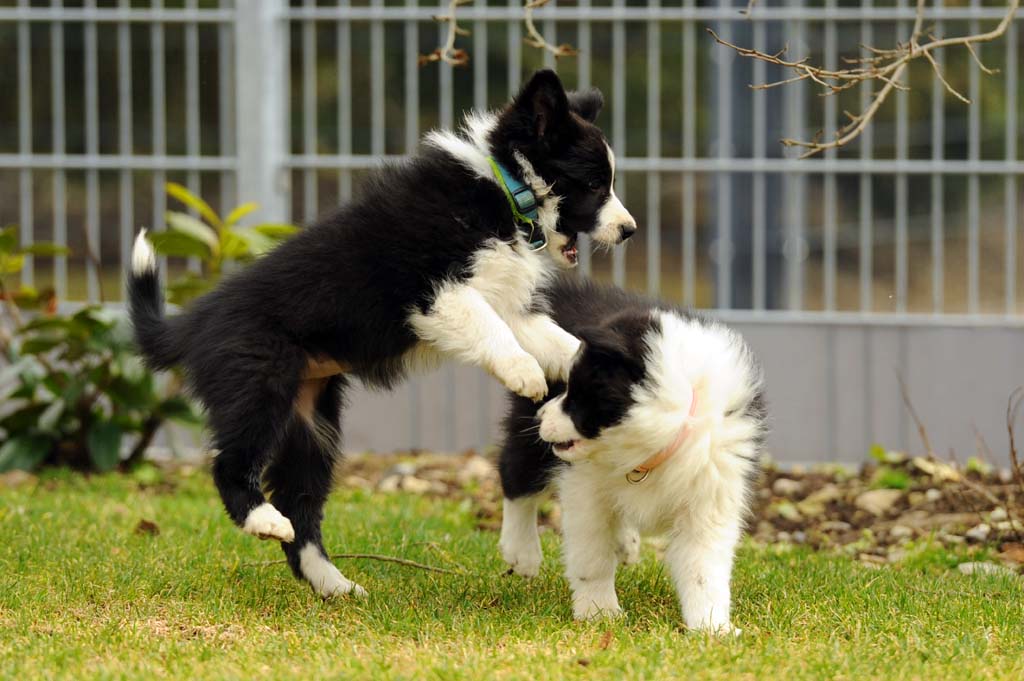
(586, 104)
(544, 103)
(611, 351)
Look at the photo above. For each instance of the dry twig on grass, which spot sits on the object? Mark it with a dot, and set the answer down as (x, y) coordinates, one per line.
(373, 556)
(449, 54)
(885, 66)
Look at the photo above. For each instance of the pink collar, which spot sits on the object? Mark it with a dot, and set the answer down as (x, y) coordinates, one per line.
(640, 473)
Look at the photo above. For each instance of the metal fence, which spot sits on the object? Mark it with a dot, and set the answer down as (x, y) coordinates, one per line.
(899, 254)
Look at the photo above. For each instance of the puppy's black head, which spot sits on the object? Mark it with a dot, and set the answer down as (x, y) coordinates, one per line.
(611, 363)
(554, 131)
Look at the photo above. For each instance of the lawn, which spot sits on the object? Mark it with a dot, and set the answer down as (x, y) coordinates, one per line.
(85, 591)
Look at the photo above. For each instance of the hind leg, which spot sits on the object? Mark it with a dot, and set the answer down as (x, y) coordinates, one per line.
(299, 480)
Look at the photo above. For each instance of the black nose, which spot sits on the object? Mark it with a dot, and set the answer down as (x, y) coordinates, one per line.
(626, 230)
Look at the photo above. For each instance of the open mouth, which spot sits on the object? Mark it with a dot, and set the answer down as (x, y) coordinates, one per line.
(570, 252)
(564, 447)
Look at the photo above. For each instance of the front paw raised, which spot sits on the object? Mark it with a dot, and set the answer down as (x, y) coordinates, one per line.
(566, 354)
(522, 375)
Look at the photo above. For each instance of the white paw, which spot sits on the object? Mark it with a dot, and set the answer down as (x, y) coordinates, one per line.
(596, 603)
(522, 375)
(628, 546)
(326, 579)
(523, 557)
(266, 522)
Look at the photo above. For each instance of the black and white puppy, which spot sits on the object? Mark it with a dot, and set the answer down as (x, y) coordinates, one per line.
(427, 264)
(658, 430)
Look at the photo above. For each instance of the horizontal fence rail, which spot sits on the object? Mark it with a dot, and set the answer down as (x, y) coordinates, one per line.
(915, 227)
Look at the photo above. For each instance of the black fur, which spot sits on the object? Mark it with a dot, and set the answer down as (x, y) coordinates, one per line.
(343, 288)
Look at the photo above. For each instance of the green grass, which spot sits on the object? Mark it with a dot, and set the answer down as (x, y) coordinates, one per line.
(83, 595)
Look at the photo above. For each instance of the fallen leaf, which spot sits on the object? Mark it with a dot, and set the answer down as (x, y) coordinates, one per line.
(606, 640)
(1012, 552)
(147, 527)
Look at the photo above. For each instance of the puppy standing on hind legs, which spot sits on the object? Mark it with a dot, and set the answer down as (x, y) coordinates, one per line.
(441, 256)
(657, 429)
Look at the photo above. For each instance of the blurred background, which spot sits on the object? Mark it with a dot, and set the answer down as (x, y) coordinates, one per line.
(898, 256)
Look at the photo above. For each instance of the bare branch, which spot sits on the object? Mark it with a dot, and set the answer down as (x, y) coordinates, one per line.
(371, 556)
(886, 66)
(535, 39)
(448, 52)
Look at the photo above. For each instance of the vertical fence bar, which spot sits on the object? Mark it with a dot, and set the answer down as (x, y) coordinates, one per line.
(902, 123)
(412, 132)
(938, 151)
(619, 127)
(377, 126)
(226, 113)
(192, 123)
(1010, 181)
(446, 115)
(158, 89)
(759, 123)
(309, 124)
(866, 237)
(973, 186)
(689, 151)
(653, 151)
(723, 180)
(25, 193)
(92, 149)
(345, 99)
(125, 139)
(60, 212)
(483, 381)
(583, 81)
(551, 35)
(795, 184)
(829, 226)
(263, 142)
(515, 51)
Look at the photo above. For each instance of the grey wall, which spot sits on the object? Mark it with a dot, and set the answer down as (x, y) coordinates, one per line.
(832, 391)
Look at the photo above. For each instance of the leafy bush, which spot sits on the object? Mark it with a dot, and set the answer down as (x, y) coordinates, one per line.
(73, 392)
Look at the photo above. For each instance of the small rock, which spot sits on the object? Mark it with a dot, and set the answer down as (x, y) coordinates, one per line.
(401, 469)
(411, 483)
(835, 526)
(475, 468)
(1005, 476)
(878, 501)
(784, 487)
(800, 537)
(783, 537)
(915, 498)
(998, 514)
(900, 532)
(985, 569)
(389, 484)
(896, 555)
(932, 495)
(1013, 552)
(871, 560)
(978, 533)
(356, 482)
(1004, 526)
(814, 504)
(938, 470)
(951, 538)
(788, 511)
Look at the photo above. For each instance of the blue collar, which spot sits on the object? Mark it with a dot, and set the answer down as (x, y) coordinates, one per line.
(523, 204)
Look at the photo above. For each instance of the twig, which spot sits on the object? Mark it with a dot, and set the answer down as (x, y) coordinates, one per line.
(886, 66)
(535, 39)
(447, 52)
(1012, 411)
(922, 431)
(370, 556)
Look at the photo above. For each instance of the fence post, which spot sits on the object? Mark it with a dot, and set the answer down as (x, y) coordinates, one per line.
(261, 63)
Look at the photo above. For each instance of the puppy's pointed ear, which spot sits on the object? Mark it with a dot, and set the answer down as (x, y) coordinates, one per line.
(542, 100)
(586, 104)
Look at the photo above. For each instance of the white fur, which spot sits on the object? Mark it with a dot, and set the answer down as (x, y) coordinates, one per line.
(553, 347)
(483, 319)
(556, 426)
(697, 497)
(326, 579)
(613, 215)
(266, 522)
(520, 542)
(143, 256)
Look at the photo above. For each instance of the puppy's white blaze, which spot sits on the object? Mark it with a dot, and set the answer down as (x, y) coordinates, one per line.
(326, 579)
(266, 522)
(555, 424)
(143, 256)
(612, 214)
